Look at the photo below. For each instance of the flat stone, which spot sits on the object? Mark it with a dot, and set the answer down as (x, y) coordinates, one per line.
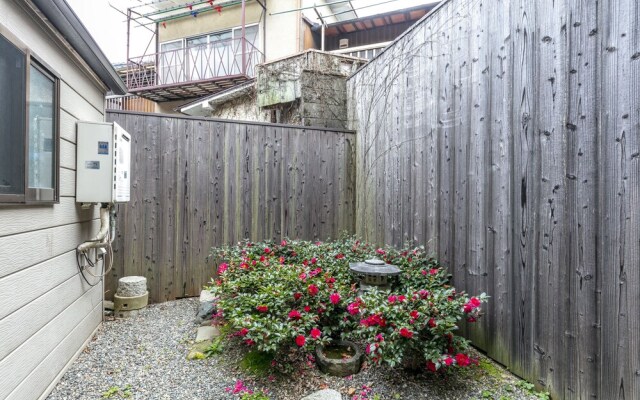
(207, 333)
(132, 286)
(326, 394)
(206, 297)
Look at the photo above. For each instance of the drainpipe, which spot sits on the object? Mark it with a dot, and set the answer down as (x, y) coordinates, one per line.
(244, 41)
(101, 240)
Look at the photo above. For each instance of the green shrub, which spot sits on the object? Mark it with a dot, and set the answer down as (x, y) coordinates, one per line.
(289, 297)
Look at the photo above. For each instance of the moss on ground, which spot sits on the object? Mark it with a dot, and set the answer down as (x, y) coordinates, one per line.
(257, 363)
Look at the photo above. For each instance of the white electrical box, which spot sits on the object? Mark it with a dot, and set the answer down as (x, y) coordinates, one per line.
(103, 163)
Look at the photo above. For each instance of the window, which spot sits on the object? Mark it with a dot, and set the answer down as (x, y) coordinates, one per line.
(29, 134)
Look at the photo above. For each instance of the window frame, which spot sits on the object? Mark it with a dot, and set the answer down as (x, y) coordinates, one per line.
(36, 196)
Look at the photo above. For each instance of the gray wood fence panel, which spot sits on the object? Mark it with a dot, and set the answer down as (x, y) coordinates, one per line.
(505, 136)
(200, 183)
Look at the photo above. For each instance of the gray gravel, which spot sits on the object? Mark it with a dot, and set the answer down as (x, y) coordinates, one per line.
(148, 354)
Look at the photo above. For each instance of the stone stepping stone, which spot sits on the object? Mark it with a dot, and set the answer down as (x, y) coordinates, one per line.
(326, 394)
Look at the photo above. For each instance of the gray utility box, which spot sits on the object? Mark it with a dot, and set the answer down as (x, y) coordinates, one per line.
(103, 163)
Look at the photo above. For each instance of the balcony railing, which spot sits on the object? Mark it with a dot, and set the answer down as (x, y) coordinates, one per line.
(198, 68)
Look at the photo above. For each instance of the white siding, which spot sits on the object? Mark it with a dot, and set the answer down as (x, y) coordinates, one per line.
(47, 312)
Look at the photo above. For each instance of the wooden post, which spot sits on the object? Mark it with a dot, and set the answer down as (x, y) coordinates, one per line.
(244, 42)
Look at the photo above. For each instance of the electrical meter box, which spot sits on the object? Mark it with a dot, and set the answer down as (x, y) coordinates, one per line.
(103, 163)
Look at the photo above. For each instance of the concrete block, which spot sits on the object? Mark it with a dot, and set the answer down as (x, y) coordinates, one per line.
(132, 286)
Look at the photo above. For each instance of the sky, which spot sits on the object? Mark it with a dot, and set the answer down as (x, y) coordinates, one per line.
(109, 28)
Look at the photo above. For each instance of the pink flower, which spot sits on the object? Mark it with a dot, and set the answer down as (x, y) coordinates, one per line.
(462, 359)
(244, 265)
(295, 314)
(368, 349)
(423, 272)
(334, 298)
(297, 296)
(242, 332)
(433, 271)
(302, 276)
(313, 290)
(283, 243)
(314, 260)
(381, 252)
(262, 308)
(353, 308)
(448, 361)
(267, 250)
(281, 260)
(414, 314)
(339, 256)
(307, 308)
(392, 298)
(315, 333)
(249, 342)
(402, 298)
(222, 268)
(423, 294)
(404, 332)
(330, 280)
(263, 258)
(300, 340)
(432, 323)
(379, 337)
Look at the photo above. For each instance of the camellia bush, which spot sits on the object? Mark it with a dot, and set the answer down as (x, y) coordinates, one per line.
(295, 295)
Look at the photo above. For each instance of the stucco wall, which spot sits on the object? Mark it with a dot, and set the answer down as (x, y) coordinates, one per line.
(47, 312)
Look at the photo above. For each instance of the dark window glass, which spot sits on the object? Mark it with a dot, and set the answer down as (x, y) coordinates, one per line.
(12, 118)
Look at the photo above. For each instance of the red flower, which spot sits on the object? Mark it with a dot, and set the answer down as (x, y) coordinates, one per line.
(448, 361)
(314, 260)
(462, 359)
(381, 252)
(379, 337)
(339, 256)
(433, 271)
(353, 308)
(300, 340)
(404, 332)
(432, 323)
(472, 304)
(263, 258)
(281, 260)
(307, 308)
(302, 276)
(368, 349)
(423, 272)
(262, 308)
(315, 333)
(283, 243)
(294, 314)
(297, 296)
(414, 314)
(423, 294)
(402, 298)
(330, 280)
(392, 298)
(244, 265)
(249, 342)
(313, 290)
(243, 332)
(222, 267)
(431, 366)
(267, 250)
(334, 298)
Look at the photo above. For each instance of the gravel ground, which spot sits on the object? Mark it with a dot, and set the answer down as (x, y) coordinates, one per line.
(145, 358)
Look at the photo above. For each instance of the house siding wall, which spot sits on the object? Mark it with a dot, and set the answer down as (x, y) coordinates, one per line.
(47, 312)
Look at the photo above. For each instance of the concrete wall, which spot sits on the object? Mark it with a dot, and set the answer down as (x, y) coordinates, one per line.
(47, 312)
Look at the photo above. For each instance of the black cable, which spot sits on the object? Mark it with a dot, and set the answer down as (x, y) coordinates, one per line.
(80, 268)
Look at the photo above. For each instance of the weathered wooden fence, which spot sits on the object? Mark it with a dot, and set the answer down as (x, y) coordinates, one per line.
(198, 183)
(505, 135)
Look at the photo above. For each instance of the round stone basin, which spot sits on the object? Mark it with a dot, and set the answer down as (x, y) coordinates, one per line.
(341, 358)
